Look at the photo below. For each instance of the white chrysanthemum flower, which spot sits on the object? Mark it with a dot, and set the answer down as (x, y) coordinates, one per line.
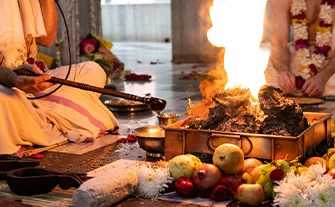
(300, 31)
(152, 181)
(303, 56)
(312, 188)
(318, 59)
(305, 74)
(297, 7)
(324, 38)
(327, 13)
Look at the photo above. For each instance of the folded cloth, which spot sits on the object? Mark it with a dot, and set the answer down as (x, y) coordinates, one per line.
(77, 112)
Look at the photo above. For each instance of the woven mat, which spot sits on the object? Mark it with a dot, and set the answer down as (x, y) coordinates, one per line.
(174, 197)
(57, 197)
(84, 147)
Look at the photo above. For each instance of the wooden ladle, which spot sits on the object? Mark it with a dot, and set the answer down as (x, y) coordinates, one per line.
(155, 104)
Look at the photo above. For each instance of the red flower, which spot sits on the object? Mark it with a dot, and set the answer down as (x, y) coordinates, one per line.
(88, 46)
(313, 68)
(301, 43)
(38, 63)
(299, 82)
(277, 174)
(41, 65)
(223, 191)
(128, 139)
(30, 61)
(185, 187)
(300, 16)
(329, 2)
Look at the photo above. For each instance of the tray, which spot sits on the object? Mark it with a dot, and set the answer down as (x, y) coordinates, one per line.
(119, 105)
(269, 147)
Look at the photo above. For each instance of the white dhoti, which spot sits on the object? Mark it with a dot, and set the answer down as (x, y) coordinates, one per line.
(69, 113)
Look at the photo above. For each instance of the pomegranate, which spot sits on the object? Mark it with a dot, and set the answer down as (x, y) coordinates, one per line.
(234, 180)
(206, 177)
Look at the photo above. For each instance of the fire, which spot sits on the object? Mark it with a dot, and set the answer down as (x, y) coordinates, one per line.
(238, 26)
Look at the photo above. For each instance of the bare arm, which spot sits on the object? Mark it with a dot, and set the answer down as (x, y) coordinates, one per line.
(50, 18)
(280, 30)
(280, 55)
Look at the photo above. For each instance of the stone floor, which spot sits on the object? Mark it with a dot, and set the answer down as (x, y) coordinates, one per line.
(167, 80)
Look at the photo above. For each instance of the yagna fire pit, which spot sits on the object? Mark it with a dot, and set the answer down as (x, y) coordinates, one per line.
(274, 128)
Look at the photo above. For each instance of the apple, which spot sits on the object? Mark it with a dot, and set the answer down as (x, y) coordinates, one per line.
(315, 160)
(250, 164)
(251, 194)
(331, 172)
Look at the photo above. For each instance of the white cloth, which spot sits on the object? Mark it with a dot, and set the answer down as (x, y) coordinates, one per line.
(69, 113)
(271, 74)
(19, 20)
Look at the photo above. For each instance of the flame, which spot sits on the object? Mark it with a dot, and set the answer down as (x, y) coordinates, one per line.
(238, 26)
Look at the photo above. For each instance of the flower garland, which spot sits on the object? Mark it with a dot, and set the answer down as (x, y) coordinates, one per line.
(311, 63)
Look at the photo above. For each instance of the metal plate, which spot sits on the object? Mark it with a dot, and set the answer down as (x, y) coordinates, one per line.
(122, 105)
(306, 100)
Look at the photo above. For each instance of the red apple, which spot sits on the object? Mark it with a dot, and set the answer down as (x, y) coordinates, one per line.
(250, 164)
(251, 194)
(332, 172)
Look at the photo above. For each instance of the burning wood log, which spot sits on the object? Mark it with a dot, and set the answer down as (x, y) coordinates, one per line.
(236, 110)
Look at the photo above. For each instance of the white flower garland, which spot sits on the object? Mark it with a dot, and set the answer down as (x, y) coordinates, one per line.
(312, 63)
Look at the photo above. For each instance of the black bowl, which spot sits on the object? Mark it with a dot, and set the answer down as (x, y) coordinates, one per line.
(33, 180)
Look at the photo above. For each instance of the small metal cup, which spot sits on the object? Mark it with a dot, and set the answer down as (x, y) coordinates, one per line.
(167, 119)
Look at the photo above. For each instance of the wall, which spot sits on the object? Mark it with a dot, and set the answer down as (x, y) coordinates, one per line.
(136, 22)
(190, 22)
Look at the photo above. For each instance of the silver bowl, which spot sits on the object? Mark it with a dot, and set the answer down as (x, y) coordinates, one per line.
(151, 139)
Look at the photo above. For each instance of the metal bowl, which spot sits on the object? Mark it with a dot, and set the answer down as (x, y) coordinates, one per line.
(151, 139)
(167, 119)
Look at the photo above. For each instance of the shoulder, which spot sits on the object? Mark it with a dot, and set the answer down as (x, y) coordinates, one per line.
(281, 5)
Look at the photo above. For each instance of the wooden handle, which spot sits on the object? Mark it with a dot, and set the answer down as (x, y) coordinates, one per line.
(156, 104)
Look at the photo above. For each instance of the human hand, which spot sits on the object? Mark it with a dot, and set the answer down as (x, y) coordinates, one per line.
(32, 84)
(286, 80)
(313, 86)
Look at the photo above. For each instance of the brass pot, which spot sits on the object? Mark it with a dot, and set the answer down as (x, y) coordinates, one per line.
(151, 139)
(167, 119)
